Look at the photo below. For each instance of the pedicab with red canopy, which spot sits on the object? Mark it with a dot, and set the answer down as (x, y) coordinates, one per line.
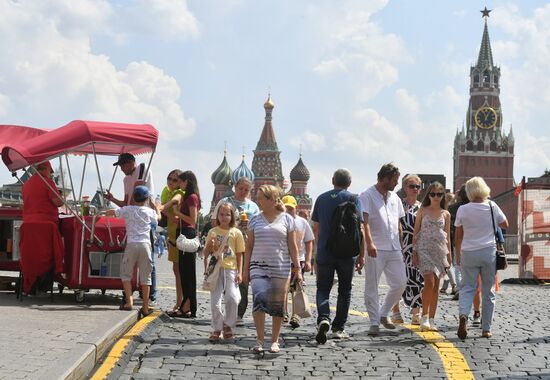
(93, 243)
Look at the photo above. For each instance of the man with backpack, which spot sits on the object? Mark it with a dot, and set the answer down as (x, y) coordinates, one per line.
(338, 230)
(382, 210)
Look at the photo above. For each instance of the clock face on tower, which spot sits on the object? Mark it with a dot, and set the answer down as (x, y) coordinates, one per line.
(485, 118)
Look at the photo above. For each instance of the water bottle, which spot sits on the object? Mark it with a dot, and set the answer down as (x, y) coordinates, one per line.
(103, 268)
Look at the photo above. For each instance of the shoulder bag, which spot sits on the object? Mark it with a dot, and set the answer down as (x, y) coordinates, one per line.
(185, 244)
(501, 260)
(213, 270)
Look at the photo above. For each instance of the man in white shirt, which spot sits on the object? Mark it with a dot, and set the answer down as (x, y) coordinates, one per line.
(382, 210)
(134, 176)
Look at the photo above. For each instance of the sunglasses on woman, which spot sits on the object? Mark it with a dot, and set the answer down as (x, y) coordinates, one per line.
(170, 179)
(414, 187)
(433, 195)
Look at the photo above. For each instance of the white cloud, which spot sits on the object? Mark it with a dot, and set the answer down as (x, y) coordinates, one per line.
(309, 141)
(49, 75)
(525, 84)
(407, 102)
(75, 17)
(355, 45)
(370, 136)
(329, 67)
(166, 18)
(505, 50)
(50, 72)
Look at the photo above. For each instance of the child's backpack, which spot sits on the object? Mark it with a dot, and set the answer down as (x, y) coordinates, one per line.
(344, 239)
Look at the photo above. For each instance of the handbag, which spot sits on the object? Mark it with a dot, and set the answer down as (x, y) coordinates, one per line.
(184, 244)
(213, 270)
(501, 260)
(301, 302)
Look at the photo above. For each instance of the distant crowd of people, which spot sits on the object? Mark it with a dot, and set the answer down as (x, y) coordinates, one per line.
(269, 246)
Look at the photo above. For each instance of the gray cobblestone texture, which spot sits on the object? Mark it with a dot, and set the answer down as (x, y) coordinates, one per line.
(520, 347)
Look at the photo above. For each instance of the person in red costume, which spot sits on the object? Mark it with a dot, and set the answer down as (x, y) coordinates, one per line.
(40, 241)
(40, 203)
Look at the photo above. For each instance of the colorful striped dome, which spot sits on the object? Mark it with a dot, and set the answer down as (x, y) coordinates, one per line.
(222, 175)
(242, 171)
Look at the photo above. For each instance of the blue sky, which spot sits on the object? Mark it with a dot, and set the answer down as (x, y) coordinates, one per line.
(355, 83)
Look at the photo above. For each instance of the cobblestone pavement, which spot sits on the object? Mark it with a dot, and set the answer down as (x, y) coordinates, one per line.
(519, 349)
(41, 339)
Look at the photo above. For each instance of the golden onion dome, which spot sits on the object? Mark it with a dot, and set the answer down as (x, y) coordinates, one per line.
(269, 103)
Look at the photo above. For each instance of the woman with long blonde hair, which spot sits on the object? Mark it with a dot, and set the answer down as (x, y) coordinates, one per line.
(270, 250)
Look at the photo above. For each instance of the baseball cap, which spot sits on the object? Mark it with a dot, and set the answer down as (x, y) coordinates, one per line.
(141, 193)
(124, 158)
(290, 201)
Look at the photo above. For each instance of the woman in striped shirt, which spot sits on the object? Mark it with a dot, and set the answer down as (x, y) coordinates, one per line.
(270, 250)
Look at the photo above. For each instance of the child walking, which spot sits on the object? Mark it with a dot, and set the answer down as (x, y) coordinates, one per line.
(226, 241)
(432, 249)
(138, 251)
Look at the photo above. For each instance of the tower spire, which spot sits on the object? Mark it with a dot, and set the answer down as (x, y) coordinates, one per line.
(485, 57)
(267, 139)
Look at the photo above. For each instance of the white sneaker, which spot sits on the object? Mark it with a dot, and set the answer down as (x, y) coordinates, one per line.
(341, 334)
(425, 323)
(322, 329)
(433, 327)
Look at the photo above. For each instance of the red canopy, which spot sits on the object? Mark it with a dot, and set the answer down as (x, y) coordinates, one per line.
(14, 134)
(81, 137)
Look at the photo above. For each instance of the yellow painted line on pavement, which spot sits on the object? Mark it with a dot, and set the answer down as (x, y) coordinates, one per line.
(455, 364)
(116, 352)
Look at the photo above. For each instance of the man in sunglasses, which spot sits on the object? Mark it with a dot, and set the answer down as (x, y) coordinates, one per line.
(134, 175)
(382, 210)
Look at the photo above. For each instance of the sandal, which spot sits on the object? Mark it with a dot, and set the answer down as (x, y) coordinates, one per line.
(125, 307)
(227, 332)
(259, 347)
(215, 336)
(486, 334)
(397, 319)
(274, 348)
(143, 314)
(175, 313)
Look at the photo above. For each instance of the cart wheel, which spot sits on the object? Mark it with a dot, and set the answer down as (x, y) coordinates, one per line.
(60, 288)
(79, 296)
(103, 291)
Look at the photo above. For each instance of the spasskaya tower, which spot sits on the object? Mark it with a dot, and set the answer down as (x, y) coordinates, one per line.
(482, 148)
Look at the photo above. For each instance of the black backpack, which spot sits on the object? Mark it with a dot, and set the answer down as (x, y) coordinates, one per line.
(344, 238)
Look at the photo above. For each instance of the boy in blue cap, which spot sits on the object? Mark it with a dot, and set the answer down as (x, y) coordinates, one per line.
(138, 251)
